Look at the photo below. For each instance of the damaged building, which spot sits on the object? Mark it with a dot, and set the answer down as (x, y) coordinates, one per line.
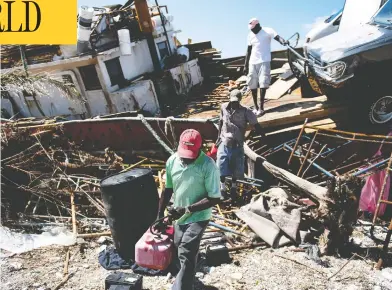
(118, 65)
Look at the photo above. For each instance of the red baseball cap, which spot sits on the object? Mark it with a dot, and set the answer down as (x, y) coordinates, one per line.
(190, 144)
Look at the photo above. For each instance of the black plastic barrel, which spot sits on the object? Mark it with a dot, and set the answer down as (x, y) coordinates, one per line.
(131, 204)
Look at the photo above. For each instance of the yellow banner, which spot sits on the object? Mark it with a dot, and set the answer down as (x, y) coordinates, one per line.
(38, 22)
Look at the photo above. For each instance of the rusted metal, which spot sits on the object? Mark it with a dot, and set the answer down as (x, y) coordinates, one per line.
(380, 198)
(247, 247)
(353, 135)
(125, 134)
(313, 160)
(308, 152)
(143, 15)
(297, 142)
(73, 214)
(228, 220)
(326, 172)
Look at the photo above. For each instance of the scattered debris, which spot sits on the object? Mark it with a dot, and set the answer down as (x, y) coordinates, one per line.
(298, 202)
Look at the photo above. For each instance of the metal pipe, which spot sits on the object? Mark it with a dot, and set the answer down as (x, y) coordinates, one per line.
(359, 140)
(247, 247)
(314, 164)
(244, 182)
(380, 198)
(370, 167)
(212, 224)
(297, 142)
(307, 153)
(308, 61)
(275, 149)
(164, 27)
(255, 179)
(350, 133)
(313, 160)
(334, 149)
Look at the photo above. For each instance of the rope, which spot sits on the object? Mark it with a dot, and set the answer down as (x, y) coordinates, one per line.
(152, 131)
(168, 124)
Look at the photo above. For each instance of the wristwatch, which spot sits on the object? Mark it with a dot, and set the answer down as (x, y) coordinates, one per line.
(187, 210)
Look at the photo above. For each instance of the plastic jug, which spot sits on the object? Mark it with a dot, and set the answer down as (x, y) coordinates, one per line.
(154, 251)
(213, 152)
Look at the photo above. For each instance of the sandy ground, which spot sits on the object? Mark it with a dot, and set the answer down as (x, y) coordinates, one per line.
(42, 269)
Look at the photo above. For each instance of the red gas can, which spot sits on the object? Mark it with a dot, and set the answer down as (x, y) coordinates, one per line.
(155, 251)
(213, 152)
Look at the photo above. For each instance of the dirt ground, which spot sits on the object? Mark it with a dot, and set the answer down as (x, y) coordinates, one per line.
(42, 269)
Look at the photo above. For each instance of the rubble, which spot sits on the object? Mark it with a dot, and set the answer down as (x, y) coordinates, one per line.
(301, 205)
(307, 209)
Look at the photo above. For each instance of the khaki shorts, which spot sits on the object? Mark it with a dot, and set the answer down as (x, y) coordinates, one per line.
(259, 75)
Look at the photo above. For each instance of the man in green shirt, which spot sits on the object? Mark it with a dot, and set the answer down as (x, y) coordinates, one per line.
(193, 177)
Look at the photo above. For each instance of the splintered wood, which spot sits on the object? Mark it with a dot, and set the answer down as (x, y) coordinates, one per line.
(54, 181)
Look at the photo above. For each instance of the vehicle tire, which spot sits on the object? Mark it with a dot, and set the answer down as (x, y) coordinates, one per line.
(337, 95)
(381, 110)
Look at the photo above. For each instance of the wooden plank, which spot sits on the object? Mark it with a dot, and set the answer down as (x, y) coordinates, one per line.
(242, 79)
(280, 59)
(292, 111)
(279, 88)
(324, 123)
(286, 118)
(278, 71)
(210, 52)
(286, 75)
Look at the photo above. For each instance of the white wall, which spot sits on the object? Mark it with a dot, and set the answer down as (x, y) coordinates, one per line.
(134, 65)
(54, 103)
(140, 95)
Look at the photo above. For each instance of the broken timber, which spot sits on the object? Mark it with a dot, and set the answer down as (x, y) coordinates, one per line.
(276, 117)
(314, 191)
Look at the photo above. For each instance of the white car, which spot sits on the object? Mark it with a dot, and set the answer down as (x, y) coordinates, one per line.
(354, 13)
(329, 26)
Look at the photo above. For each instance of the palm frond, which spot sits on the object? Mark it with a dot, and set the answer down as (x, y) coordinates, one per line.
(17, 81)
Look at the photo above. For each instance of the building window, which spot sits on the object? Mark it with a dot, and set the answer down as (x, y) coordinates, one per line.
(163, 49)
(115, 72)
(90, 78)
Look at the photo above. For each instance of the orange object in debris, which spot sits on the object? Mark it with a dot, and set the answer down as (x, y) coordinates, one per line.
(143, 15)
(213, 152)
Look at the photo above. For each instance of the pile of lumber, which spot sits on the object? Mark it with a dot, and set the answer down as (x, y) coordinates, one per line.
(215, 69)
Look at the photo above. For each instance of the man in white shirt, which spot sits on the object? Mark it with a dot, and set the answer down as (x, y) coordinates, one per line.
(258, 61)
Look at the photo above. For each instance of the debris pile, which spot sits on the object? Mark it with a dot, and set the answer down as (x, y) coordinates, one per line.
(312, 204)
(48, 179)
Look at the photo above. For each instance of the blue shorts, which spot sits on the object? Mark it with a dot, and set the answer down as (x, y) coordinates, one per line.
(231, 161)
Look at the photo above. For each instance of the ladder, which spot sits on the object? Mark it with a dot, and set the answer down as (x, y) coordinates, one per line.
(379, 202)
